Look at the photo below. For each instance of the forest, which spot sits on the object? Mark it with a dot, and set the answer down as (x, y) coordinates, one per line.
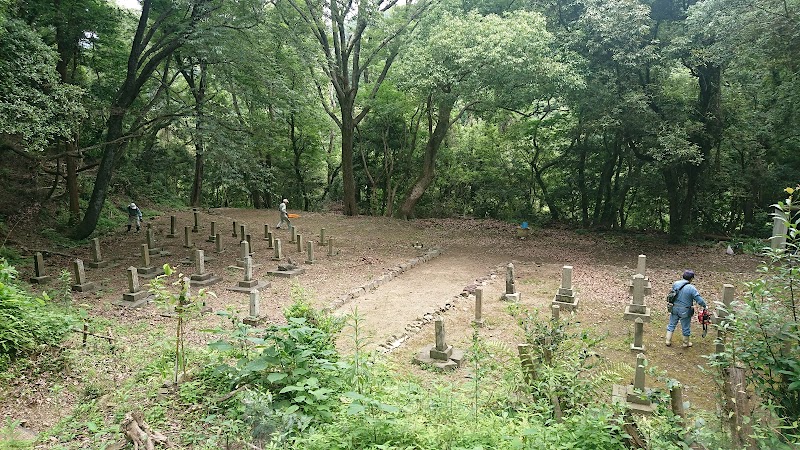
(670, 116)
(440, 144)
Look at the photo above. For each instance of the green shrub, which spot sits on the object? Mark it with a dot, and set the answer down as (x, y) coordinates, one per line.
(26, 322)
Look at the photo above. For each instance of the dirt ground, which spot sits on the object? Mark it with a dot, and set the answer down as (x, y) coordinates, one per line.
(472, 252)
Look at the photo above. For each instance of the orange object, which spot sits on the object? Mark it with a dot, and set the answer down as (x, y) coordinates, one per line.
(293, 216)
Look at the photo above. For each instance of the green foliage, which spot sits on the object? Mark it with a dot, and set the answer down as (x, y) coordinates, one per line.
(26, 322)
(9, 439)
(764, 334)
(35, 107)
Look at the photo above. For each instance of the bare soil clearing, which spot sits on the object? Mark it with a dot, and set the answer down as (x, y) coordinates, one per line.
(367, 248)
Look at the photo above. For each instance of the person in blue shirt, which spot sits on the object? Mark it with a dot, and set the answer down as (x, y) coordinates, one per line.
(134, 216)
(682, 309)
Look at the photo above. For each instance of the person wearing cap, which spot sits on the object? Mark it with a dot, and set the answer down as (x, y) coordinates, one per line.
(134, 215)
(682, 310)
(284, 214)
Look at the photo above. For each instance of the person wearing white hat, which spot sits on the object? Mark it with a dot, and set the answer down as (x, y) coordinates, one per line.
(284, 214)
(134, 215)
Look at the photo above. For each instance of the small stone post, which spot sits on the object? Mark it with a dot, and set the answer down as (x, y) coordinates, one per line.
(293, 232)
(638, 335)
(299, 241)
(266, 232)
(97, 258)
(133, 280)
(218, 243)
(249, 240)
(330, 246)
(322, 236)
(478, 321)
(244, 252)
(556, 311)
(248, 269)
(636, 393)
(441, 351)
(38, 270)
(641, 265)
(187, 238)
(196, 227)
(199, 262)
(255, 304)
(135, 296)
(81, 285)
(565, 297)
(234, 230)
(310, 252)
(151, 243)
(510, 288)
(270, 241)
(213, 231)
(779, 230)
(566, 277)
(278, 251)
(173, 233)
(242, 232)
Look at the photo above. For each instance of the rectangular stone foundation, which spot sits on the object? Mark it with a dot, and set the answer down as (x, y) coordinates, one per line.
(85, 287)
(455, 360)
(97, 264)
(565, 306)
(619, 395)
(39, 280)
(207, 279)
(632, 314)
(287, 273)
(133, 299)
(261, 285)
(149, 272)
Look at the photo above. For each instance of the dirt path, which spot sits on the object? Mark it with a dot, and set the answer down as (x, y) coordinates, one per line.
(386, 311)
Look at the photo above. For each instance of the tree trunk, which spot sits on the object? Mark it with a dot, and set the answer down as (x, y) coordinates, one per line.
(72, 185)
(429, 161)
(197, 185)
(104, 172)
(584, 190)
(348, 180)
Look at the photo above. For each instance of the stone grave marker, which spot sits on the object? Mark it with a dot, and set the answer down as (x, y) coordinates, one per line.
(97, 261)
(635, 396)
(151, 244)
(196, 227)
(637, 308)
(234, 230)
(293, 232)
(322, 236)
(299, 241)
(255, 304)
(200, 277)
(249, 240)
(556, 312)
(172, 228)
(270, 241)
(779, 230)
(511, 293)
(266, 232)
(278, 251)
(440, 355)
(242, 232)
(244, 252)
(81, 284)
(147, 270)
(721, 313)
(187, 238)
(38, 270)
(641, 267)
(565, 297)
(213, 234)
(135, 297)
(330, 246)
(310, 252)
(249, 283)
(478, 320)
(638, 336)
(218, 243)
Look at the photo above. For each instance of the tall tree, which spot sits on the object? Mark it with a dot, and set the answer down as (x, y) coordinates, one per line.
(340, 28)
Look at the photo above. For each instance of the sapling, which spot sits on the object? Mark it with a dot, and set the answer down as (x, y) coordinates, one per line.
(183, 304)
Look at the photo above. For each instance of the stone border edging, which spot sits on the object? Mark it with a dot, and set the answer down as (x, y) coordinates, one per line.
(385, 278)
(416, 326)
